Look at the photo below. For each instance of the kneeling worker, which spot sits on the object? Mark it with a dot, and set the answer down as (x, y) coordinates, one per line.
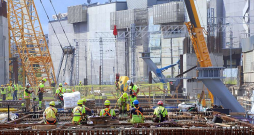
(50, 114)
(136, 113)
(107, 111)
(123, 103)
(78, 113)
(160, 113)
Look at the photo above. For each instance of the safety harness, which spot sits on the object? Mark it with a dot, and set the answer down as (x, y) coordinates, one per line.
(106, 111)
(78, 109)
(138, 112)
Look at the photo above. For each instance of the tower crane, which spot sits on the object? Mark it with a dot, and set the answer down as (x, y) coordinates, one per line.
(26, 35)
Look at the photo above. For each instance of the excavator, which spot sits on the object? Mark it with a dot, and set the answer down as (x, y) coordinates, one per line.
(216, 89)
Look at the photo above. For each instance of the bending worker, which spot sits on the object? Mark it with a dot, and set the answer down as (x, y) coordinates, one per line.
(136, 113)
(3, 92)
(41, 91)
(134, 90)
(59, 93)
(84, 106)
(78, 113)
(50, 114)
(27, 95)
(160, 113)
(123, 103)
(107, 111)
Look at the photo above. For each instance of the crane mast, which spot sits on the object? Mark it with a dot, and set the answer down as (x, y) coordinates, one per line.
(27, 37)
(196, 33)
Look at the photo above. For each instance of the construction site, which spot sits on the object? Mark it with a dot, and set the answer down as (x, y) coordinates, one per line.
(180, 67)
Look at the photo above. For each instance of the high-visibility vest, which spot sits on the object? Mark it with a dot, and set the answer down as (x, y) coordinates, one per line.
(160, 111)
(26, 95)
(60, 91)
(50, 112)
(134, 90)
(15, 87)
(3, 91)
(107, 112)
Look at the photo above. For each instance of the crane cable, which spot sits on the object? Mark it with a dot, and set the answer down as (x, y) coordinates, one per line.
(60, 23)
(52, 26)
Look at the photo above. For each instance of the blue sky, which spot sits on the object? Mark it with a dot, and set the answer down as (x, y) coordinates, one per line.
(60, 6)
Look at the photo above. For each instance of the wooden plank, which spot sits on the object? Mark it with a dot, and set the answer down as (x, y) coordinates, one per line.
(43, 127)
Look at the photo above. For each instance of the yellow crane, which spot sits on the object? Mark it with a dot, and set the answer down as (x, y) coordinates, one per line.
(196, 33)
(27, 38)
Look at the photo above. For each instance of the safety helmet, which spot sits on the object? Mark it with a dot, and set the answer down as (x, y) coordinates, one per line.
(7, 84)
(84, 100)
(129, 82)
(28, 84)
(80, 102)
(44, 79)
(60, 85)
(80, 81)
(65, 83)
(2, 85)
(52, 103)
(22, 104)
(135, 102)
(160, 103)
(107, 102)
(125, 95)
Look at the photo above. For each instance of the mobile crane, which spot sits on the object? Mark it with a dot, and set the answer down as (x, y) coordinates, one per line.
(216, 87)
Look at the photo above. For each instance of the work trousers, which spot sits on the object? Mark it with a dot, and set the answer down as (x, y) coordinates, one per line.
(15, 95)
(4, 97)
(27, 104)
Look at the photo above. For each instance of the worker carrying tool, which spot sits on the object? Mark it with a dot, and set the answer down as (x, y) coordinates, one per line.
(3, 92)
(107, 111)
(59, 93)
(123, 104)
(27, 95)
(15, 92)
(78, 113)
(134, 90)
(50, 114)
(136, 113)
(41, 91)
(160, 113)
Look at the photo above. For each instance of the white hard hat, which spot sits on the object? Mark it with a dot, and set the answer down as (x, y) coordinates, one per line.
(28, 84)
(129, 82)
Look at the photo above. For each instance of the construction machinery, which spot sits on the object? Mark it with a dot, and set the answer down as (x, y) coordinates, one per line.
(216, 87)
(26, 38)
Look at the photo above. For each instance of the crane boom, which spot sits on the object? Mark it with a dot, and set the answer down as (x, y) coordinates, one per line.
(26, 35)
(196, 33)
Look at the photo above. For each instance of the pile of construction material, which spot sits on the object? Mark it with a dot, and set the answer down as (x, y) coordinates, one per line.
(71, 99)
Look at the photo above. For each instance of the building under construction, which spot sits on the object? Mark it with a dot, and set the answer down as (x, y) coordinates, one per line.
(175, 51)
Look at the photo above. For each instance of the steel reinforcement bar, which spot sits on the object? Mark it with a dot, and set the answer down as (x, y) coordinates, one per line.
(231, 131)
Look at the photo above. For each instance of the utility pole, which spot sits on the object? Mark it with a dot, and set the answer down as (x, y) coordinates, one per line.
(101, 61)
(133, 53)
(231, 44)
(171, 50)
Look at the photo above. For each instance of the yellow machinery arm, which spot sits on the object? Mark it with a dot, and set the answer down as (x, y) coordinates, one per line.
(196, 33)
(26, 35)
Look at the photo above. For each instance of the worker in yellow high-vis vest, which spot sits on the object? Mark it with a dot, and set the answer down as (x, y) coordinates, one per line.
(134, 90)
(27, 95)
(3, 92)
(50, 114)
(41, 91)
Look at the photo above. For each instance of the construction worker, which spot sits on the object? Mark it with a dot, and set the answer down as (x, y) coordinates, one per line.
(80, 83)
(78, 113)
(134, 90)
(50, 114)
(27, 94)
(9, 90)
(59, 93)
(107, 111)
(15, 93)
(160, 113)
(84, 106)
(122, 102)
(117, 87)
(136, 113)
(3, 92)
(41, 91)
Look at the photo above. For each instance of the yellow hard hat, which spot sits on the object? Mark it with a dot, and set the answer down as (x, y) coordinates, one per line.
(7, 84)
(125, 95)
(107, 102)
(60, 85)
(22, 104)
(1, 85)
(84, 100)
(44, 79)
(79, 81)
(80, 102)
(52, 103)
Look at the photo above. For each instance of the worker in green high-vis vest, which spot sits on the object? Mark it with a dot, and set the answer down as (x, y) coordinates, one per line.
(41, 91)
(3, 92)
(134, 90)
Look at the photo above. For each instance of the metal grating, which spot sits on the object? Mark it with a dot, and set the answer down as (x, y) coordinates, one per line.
(77, 14)
(172, 12)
